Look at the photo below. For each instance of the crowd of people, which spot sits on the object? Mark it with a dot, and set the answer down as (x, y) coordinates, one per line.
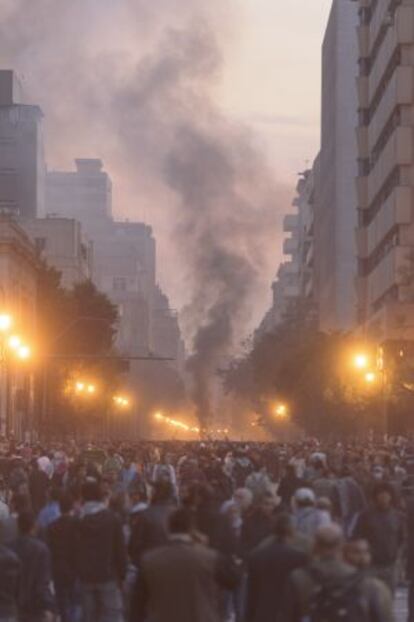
(206, 531)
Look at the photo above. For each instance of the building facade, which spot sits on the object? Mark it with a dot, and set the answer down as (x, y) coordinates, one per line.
(63, 245)
(385, 235)
(84, 194)
(335, 216)
(22, 164)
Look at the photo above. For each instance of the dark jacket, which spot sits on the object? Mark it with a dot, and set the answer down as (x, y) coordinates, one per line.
(256, 527)
(384, 530)
(374, 598)
(178, 583)
(10, 568)
(38, 485)
(35, 595)
(150, 530)
(269, 567)
(100, 551)
(62, 540)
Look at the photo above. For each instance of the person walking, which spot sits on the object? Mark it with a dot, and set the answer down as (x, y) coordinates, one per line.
(35, 598)
(61, 537)
(10, 569)
(268, 566)
(101, 558)
(329, 589)
(382, 526)
(150, 527)
(179, 582)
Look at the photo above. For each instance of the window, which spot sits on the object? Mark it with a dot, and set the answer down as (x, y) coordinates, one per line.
(120, 284)
(40, 244)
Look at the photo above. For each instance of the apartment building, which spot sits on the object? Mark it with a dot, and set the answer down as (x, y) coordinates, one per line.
(335, 216)
(385, 234)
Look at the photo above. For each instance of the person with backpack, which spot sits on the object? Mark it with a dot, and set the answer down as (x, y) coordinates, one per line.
(331, 590)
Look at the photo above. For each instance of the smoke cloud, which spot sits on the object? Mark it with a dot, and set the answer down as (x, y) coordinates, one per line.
(132, 82)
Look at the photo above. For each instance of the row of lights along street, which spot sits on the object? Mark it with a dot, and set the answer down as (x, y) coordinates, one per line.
(12, 343)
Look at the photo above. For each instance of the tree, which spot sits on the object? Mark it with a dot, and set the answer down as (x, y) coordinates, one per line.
(73, 325)
(307, 369)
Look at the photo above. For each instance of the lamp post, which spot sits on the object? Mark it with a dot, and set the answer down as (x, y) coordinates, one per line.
(12, 347)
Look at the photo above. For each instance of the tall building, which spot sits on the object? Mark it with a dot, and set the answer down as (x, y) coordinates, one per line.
(124, 256)
(335, 216)
(22, 165)
(385, 236)
(62, 243)
(84, 194)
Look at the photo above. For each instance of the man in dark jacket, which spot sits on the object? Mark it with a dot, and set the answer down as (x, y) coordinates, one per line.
(268, 566)
(150, 528)
(383, 528)
(179, 582)
(317, 586)
(101, 558)
(10, 569)
(62, 541)
(258, 523)
(35, 599)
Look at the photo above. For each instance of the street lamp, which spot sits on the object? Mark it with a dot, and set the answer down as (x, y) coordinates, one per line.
(281, 411)
(23, 352)
(361, 360)
(370, 377)
(6, 322)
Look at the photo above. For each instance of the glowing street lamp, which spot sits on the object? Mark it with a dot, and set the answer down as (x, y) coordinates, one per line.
(361, 360)
(91, 389)
(6, 322)
(370, 377)
(14, 342)
(23, 352)
(281, 411)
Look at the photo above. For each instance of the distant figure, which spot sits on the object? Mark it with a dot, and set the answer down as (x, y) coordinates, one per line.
(179, 582)
(308, 518)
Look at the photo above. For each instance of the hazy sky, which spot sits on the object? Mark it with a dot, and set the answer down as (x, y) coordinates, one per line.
(272, 77)
(118, 79)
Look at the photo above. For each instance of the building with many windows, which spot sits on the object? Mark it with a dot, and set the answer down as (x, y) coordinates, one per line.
(335, 216)
(385, 235)
(62, 243)
(22, 164)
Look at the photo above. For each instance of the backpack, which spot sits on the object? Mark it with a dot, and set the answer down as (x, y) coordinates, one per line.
(334, 600)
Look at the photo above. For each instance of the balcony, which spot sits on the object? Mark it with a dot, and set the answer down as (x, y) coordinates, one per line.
(399, 92)
(395, 211)
(387, 274)
(362, 141)
(291, 268)
(290, 246)
(363, 41)
(290, 223)
(397, 152)
(362, 192)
